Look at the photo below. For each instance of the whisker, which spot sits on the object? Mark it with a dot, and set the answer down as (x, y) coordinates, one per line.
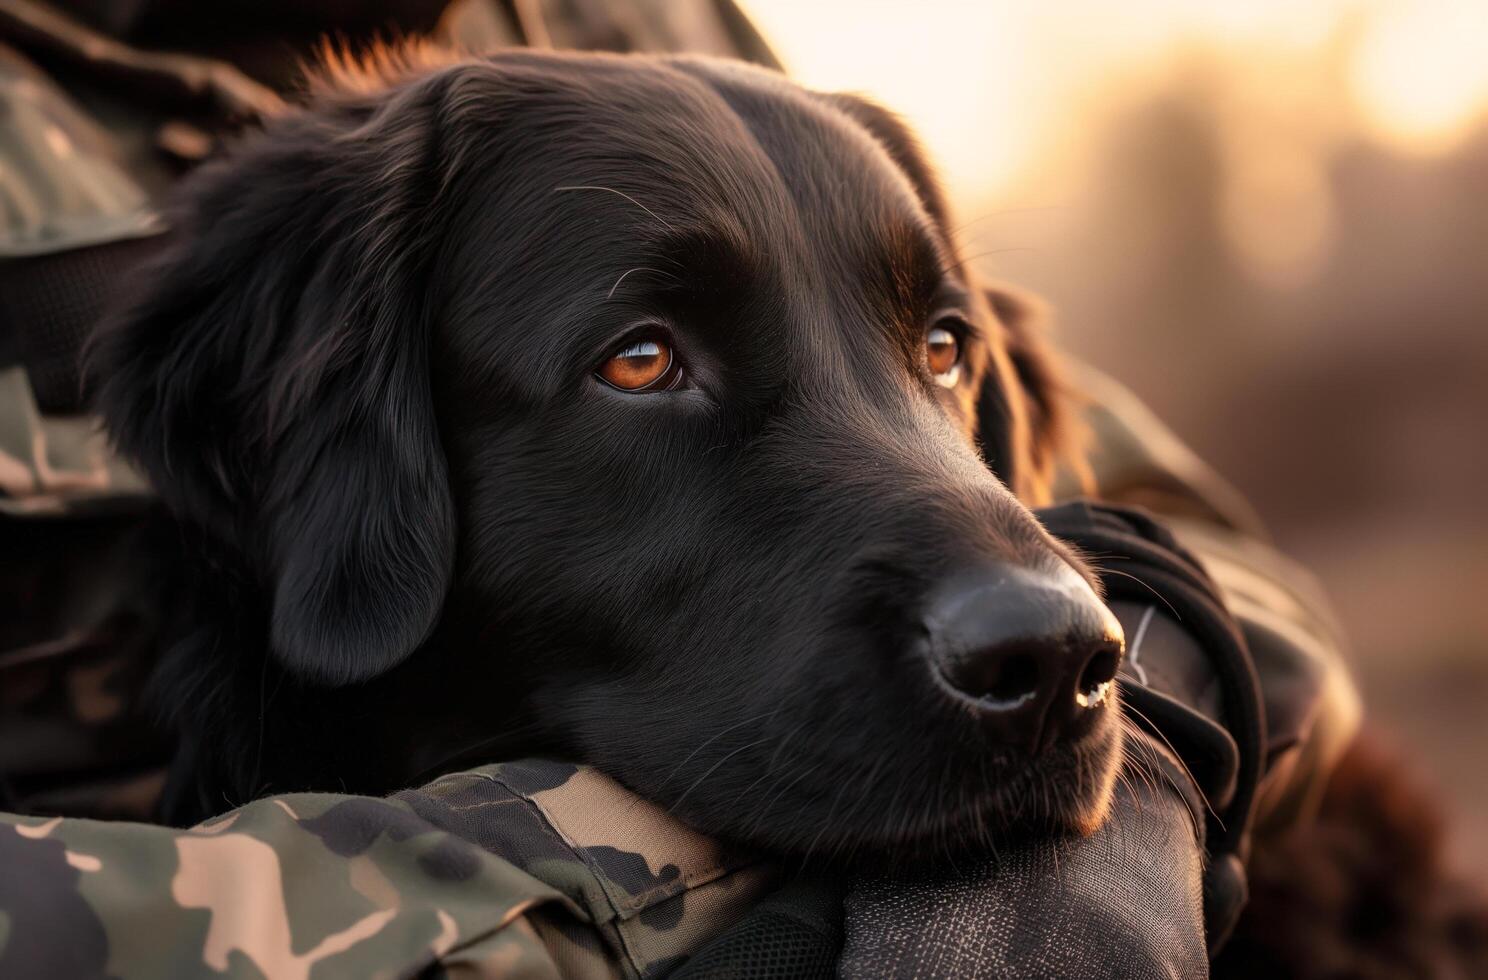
(962, 262)
(770, 766)
(1004, 212)
(713, 738)
(1186, 771)
(779, 793)
(639, 268)
(611, 190)
(831, 812)
(639, 800)
(866, 795)
(714, 768)
(1160, 596)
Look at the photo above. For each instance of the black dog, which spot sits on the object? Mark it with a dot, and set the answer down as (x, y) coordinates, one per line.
(621, 409)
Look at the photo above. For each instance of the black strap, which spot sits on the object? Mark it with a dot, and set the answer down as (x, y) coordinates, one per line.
(1138, 559)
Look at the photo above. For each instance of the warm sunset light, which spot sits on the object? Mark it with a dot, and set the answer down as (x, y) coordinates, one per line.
(1421, 71)
(985, 83)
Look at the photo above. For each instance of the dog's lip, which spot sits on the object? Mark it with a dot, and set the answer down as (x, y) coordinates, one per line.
(999, 805)
(967, 824)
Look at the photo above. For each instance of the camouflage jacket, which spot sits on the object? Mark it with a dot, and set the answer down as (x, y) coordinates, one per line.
(525, 869)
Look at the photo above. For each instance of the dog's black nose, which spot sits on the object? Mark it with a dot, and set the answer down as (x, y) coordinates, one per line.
(1035, 653)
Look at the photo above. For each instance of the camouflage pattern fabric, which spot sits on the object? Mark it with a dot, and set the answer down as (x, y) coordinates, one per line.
(526, 869)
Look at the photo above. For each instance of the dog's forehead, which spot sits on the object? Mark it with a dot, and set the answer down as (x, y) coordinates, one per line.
(826, 163)
(646, 146)
(612, 172)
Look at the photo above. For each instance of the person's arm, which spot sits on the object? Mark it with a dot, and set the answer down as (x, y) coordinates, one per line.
(529, 868)
(293, 886)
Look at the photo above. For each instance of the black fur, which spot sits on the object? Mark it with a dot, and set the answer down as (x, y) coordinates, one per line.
(363, 379)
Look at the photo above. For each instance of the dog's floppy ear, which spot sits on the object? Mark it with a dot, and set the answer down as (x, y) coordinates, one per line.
(1027, 413)
(272, 378)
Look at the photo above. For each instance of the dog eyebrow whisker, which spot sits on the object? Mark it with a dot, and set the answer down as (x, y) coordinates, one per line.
(714, 768)
(611, 190)
(958, 264)
(639, 268)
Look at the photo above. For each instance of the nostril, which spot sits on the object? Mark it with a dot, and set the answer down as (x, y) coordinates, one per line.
(1033, 654)
(1013, 681)
(1097, 677)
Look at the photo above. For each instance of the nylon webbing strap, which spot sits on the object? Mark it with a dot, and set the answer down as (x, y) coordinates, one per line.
(1139, 560)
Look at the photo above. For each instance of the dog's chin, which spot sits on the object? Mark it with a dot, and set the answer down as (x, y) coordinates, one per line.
(1065, 793)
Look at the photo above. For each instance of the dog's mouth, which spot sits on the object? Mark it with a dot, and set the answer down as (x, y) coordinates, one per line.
(898, 811)
(1063, 794)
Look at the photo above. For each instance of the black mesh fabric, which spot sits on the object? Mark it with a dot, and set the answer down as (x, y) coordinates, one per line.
(795, 933)
(53, 301)
(1124, 902)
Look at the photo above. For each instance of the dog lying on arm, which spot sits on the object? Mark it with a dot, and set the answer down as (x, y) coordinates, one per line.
(635, 411)
(603, 406)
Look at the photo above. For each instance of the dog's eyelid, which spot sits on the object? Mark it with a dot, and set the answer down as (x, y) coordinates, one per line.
(956, 320)
(638, 330)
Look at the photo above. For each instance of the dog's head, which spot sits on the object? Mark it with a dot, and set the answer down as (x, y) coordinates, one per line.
(629, 407)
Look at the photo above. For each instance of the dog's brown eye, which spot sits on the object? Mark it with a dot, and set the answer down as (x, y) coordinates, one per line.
(642, 365)
(943, 355)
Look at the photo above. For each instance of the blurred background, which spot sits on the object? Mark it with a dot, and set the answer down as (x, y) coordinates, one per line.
(1270, 219)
